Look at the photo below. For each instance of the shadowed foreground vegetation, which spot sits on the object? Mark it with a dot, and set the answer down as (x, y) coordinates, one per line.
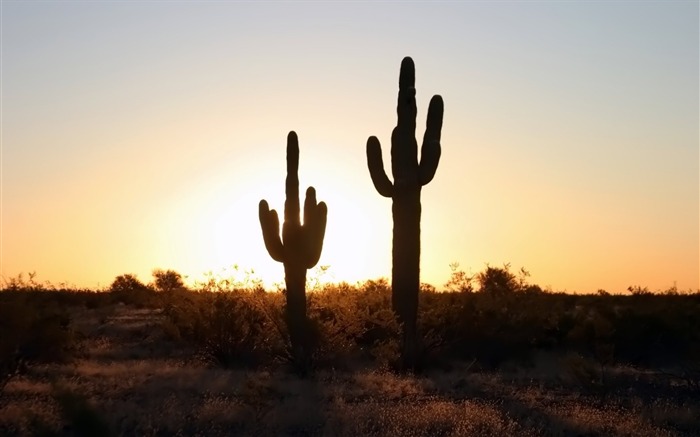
(509, 359)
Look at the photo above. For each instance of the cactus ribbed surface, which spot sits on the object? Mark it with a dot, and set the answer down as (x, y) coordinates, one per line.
(409, 177)
(299, 248)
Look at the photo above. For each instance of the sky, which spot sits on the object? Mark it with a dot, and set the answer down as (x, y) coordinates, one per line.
(142, 135)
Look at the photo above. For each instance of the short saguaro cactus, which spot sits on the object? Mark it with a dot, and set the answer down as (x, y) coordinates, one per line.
(299, 249)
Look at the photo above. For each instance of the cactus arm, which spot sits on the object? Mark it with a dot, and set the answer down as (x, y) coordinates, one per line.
(404, 147)
(315, 215)
(270, 224)
(430, 151)
(310, 205)
(376, 168)
(291, 203)
(406, 105)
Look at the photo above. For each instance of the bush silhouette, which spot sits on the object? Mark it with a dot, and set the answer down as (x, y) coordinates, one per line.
(168, 280)
(126, 283)
(128, 289)
(495, 280)
(33, 331)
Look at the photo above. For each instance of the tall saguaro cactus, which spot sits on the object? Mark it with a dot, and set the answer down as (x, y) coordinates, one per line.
(299, 248)
(409, 177)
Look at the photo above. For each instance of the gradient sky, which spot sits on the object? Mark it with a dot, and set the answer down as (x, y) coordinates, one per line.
(141, 135)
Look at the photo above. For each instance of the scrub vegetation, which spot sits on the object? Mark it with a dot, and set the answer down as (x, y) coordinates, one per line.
(496, 356)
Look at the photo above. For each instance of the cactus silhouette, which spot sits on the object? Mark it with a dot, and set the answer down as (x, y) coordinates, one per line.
(409, 177)
(298, 249)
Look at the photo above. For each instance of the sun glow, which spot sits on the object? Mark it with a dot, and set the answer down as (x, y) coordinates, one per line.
(214, 224)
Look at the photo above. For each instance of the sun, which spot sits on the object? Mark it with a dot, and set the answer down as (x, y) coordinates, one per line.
(357, 245)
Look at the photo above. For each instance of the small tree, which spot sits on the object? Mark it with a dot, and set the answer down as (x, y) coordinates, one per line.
(497, 280)
(168, 280)
(126, 283)
(459, 280)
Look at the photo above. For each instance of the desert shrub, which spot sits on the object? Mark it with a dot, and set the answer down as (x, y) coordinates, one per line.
(374, 302)
(638, 290)
(337, 323)
(12, 323)
(582, 372)
(20, 283)
(500, 280)
(81, 417)
(380, 337)
(493, 328)
(496, 280)
(48, 295)
(459, 281)
(126, 282)
(657, 330)
(182, 318)
(50, 338)
(227, 329)
(129, 290)
(31, 333)
(236, 331)
(439, 326)
(230, 279)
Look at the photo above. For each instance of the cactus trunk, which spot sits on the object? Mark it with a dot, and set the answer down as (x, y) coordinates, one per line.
(295, 314)
(409, 177)
(405, 275)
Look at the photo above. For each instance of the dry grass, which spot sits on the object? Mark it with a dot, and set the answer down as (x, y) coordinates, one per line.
(130, 379)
